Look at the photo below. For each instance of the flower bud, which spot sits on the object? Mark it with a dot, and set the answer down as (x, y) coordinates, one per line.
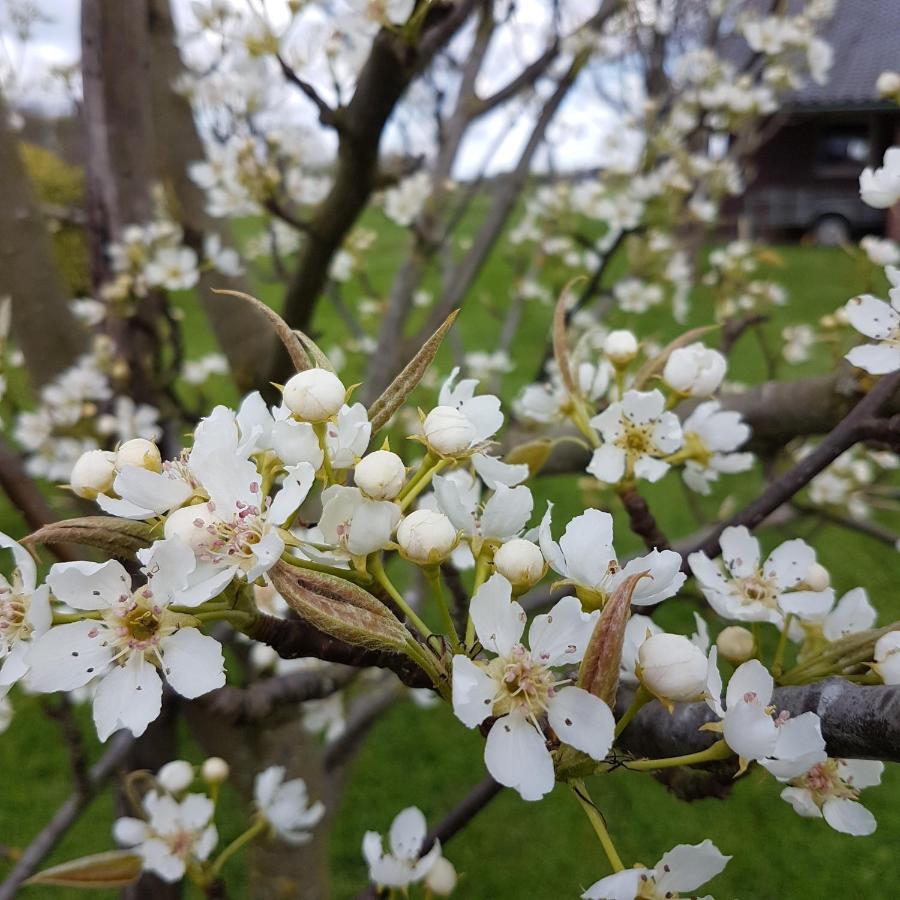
(141, 453)
(672, 668)
(448, 431)
(426, 536)
(817, 578)
(215, 770)
(695, 370)
(520, 562)
(93, 473)
(620, 347)
(128, 832)
(191, 524)
(176, 776)
(441, 878)
(380, 475)
(888, 84)
(314, 395)
(887, 657)
(736, 644)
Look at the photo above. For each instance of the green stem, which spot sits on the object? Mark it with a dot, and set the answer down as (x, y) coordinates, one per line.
(67, 618)
(641, 697)
(433, 576)
(348, 574)
(421, 482)
(778, 659)
(599, 826)
(481, 569)
(321, 429)
(255, 830)
(377, 569)
(718, 750)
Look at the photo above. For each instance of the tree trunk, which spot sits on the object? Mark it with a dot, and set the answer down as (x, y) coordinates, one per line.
(243, 335)
(42, 323)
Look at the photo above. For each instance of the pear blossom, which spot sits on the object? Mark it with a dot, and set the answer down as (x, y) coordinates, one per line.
(519, 687)
(176, 776)
(672, 668)
(493, 471)
(746, 590)
(347, 436)
(585, 557)
(880, 321)
(175, 834)
(426, 536)
(173, 268)
(93, 474)
(25, 614)
(461, 421)
(314, 395)
(225, 260)
(829, 790)
(502, 517)
(881, 251)
(285, 805)
(880, 188)
(682, 869)
(405, 863)
(404, 202)
(887, 657)
(736, 644)
(694, 370)
(711, 435)
(520, 562)
(134, 634)
(785, 745)
(354, 523)
(620, 347)
(380, 475)
(637, 629)
(637, 434)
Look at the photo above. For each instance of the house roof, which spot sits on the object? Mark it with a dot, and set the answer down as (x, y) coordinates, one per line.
(865, 38)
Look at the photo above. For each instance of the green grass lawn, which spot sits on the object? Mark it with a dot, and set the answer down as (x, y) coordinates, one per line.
(425, 757)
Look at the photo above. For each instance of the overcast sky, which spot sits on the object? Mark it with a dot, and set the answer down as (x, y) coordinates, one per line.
(578, 131)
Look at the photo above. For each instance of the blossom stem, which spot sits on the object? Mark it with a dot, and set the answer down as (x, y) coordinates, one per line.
(240, 620)
(718, 750)
(599, 826)
(481, 570)
(255, 830)
(321, 429)
(778, 659)
(66, 618)
(349, 574)
(433, 575)
(377, 569)
(641, 697)
(420, 482)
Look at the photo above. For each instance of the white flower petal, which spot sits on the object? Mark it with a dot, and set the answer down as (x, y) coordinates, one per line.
(607, 464)
(848, 817)
(407, 833)
(473, 691)
(507, 512)
(128, 696)
(194, 664)
(87, 585)
(877, 359)
(620, 886)
(499, 621)
(561, 636)
(69, 656)
(751, 677)
(687, 866)
(789, 563)
(515, 754)
(582, 721)
(801, 799)
(749, 730)
(740, 551)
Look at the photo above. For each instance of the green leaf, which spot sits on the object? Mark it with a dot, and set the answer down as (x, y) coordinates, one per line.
(403, 385)
(117, 537)
(115, 869)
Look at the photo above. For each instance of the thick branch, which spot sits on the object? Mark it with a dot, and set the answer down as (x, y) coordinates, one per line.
(293, 639)
(857, 722)
(259, 700)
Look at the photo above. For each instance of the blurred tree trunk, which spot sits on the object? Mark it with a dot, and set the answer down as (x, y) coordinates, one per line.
(243, 335)
(275, 870)
(42, 323)
(115, 62)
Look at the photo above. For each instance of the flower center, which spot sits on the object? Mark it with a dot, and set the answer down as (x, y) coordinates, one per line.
(756, 589)
(139, 624)
(525, 683)
(824, 782)
(635, 439)
(13, 611)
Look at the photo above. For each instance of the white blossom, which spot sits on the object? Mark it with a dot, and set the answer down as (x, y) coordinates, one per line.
(404, 864)
(585, 557)
(880, 187)
(747, 590)
(519, 687)
(880, 321)
(134, 635)
(637, 434)
(285, 805)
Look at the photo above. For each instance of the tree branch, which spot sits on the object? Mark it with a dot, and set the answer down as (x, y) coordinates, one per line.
(858, 722)
(327, 115)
